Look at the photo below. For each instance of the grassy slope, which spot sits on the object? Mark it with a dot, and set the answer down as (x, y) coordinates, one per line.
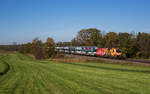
(45, 77)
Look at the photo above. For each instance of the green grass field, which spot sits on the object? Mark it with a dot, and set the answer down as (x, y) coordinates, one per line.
(27, 76)
(4, 67)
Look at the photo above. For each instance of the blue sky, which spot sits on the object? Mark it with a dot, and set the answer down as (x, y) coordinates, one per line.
(23, 20)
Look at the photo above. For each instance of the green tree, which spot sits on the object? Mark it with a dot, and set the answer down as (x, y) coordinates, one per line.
(74, 42)
(111, 39)
(125, 43)
(143, 44)
(89, 37)
(25, 48)
(48, 47)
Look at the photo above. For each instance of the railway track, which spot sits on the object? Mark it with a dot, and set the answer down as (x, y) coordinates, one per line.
(137, 60)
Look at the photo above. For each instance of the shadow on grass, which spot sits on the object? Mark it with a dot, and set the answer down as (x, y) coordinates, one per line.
(6, 69)
(7, 66)
(114, 69)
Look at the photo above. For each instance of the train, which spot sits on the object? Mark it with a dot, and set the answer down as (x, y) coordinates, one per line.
(91, 51)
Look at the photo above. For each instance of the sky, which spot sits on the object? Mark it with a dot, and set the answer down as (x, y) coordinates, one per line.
(23, 20)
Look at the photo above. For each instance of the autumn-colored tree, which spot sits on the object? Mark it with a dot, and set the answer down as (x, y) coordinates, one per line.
(36, 48)
(48, 47)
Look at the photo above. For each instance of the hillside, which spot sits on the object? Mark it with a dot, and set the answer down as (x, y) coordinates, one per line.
(27, 76)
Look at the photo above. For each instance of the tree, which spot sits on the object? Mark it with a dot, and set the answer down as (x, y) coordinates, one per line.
(74, 42)
(124, 39)
(89, 37)
(60, 44)
(111, 39)
(143, 44)
(48, 47)
(127, 44)
(36, 48)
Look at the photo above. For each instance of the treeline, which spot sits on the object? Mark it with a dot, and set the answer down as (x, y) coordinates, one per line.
(132, 45)
(9, 48)
(38, 49)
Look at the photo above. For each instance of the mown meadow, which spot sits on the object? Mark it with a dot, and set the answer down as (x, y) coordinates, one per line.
(27, 76)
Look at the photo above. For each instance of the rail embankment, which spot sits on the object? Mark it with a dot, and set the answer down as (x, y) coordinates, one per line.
(70, 58)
